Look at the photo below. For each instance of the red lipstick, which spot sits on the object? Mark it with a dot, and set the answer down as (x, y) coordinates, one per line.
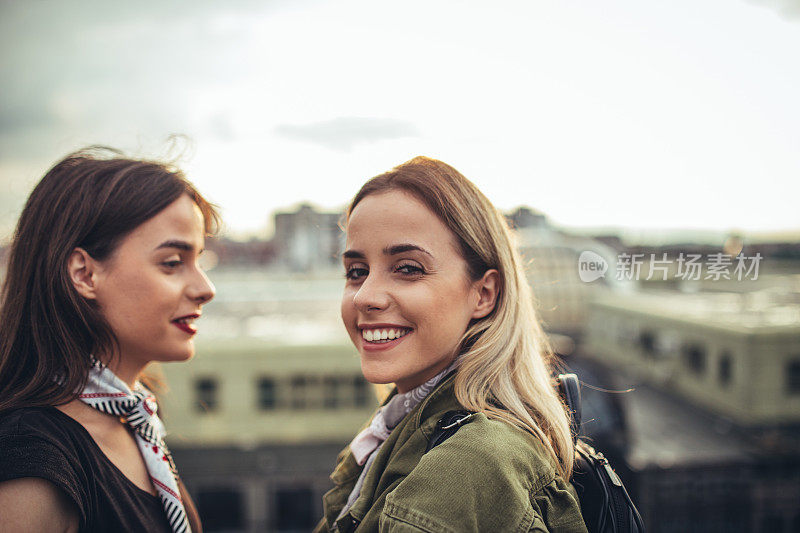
(185, 323)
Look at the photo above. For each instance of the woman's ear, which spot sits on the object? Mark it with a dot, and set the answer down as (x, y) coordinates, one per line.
(82, 271)
(486, 288)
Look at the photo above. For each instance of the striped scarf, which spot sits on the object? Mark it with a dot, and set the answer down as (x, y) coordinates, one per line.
(137, 408)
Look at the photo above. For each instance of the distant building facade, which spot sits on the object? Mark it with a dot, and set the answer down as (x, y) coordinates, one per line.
(551, 261)
(734, 463)
(255, 429)
(308, 240)
(737, 355)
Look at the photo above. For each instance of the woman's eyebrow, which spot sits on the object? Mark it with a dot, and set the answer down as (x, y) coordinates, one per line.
(180, 245)
(389, 250)
(352, 254)
(402, 248)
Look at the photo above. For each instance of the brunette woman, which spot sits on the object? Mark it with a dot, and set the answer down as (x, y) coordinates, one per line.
(103, 279)
(436, 302)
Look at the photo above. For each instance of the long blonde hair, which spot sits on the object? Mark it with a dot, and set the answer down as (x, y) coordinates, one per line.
(506, 358)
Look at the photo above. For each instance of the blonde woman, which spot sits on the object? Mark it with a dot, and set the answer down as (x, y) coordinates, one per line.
(437, 303)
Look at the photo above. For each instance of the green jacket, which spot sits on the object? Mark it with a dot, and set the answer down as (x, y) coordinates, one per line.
(489, 476)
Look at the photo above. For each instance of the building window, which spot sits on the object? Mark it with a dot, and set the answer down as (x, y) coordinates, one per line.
(299, 392)
(725, 367)
(294, 509)
(266, 394)
(362, 391)
(793, 377)
(330, 392)
(695, 357)
(221, 509)
(647, 342)
(206, 394)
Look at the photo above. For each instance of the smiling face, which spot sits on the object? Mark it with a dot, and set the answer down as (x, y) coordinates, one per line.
(151, 289)
(408, 299)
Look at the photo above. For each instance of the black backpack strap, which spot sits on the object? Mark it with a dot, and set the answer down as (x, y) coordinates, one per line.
(605, 503)
(571, 392)
(447, 426)
(452, 420)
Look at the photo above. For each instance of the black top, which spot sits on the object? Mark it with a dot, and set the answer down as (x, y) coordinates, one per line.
(45, 443)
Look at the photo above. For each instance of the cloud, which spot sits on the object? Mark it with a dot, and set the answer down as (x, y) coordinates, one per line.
(343, 133)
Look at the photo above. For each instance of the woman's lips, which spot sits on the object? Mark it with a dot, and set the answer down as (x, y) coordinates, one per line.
(191, 330)
(186, 324)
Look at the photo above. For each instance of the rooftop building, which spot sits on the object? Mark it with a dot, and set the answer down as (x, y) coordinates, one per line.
(713, 403)
(308, 240)
(737, 355)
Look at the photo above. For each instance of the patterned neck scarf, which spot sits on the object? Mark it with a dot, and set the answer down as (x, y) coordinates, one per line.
(137, 408)
(366, 444)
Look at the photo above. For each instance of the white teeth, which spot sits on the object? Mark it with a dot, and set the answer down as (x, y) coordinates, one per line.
(382, 335)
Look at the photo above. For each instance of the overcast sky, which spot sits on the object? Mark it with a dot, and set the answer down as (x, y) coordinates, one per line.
(626, 113)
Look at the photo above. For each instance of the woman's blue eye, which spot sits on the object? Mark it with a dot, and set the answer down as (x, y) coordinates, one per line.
(355, 273)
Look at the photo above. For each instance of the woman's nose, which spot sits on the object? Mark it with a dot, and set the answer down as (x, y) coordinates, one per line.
(202, 290)
(372, 295)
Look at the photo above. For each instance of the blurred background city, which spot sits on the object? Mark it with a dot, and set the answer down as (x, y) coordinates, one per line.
(646, 155)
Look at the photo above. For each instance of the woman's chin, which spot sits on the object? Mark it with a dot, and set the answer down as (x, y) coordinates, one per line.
(185, 356)
(378, 376)
(178, 356)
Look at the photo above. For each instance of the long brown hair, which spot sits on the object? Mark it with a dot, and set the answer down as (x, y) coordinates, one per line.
(506, 359)
(91, 199)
